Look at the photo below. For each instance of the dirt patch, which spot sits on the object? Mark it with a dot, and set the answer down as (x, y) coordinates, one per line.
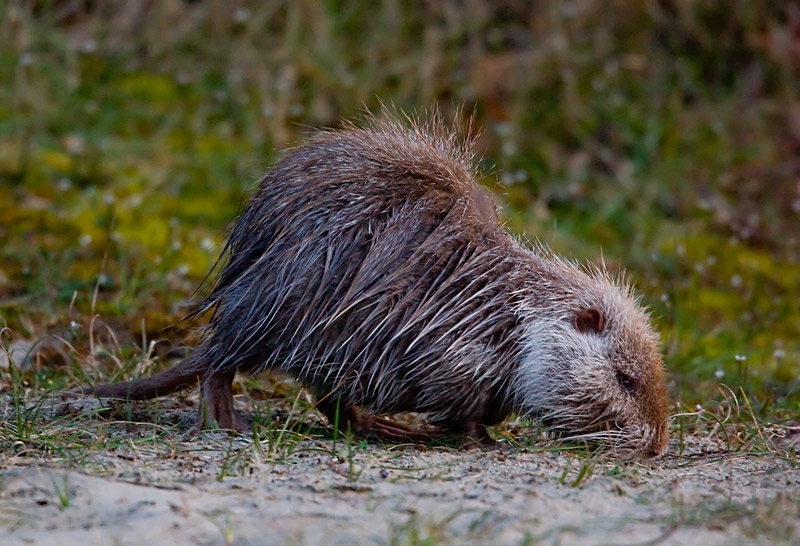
(214, 489)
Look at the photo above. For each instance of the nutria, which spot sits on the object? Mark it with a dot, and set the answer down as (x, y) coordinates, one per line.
(372, 267)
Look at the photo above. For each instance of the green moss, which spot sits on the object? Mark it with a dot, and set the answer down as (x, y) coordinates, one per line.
(662, 138)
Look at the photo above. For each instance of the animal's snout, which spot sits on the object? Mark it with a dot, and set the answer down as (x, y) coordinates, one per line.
(659, 443)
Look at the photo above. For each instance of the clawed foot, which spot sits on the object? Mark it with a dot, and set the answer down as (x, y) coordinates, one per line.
(365, 424)
(391, 431)
(216, 406)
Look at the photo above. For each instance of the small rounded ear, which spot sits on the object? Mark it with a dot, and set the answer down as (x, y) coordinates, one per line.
(589, 320)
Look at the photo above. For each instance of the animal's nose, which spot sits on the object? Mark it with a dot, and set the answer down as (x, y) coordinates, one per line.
(652, 453)
(659, 444)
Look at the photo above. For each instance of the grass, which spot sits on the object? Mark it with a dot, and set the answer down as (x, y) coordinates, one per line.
(423, 531)
(124, 155)
(755, 518)
(771, 520)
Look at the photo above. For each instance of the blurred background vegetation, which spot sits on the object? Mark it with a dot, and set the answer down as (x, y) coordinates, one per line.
(663, 133)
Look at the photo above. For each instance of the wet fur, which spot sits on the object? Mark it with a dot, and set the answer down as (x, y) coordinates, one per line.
(371, 267)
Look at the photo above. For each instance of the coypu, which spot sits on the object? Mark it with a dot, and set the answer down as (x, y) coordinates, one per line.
(370, 266)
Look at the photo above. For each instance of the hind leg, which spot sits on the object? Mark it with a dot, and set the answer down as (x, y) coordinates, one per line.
(364, 423)
(216, 405)
(474, 433)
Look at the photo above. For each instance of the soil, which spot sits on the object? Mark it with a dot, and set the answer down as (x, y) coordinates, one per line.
(211, 488)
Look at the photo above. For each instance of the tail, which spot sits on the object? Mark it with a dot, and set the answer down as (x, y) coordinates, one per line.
(181, 376)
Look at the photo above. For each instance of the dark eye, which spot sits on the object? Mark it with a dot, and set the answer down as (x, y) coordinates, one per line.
(625, 382)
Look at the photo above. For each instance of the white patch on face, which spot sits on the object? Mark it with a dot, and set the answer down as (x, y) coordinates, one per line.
(556, 360)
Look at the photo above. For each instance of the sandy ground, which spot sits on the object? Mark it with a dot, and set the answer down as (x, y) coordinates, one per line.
(165, 492)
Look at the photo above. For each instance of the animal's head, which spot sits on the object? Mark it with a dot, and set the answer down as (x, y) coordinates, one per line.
(591, 363)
